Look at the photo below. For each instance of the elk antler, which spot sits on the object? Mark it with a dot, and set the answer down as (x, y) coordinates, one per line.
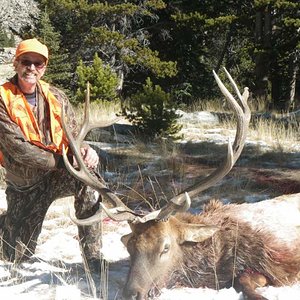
(82, 173)
(182, 201)
(243, 115)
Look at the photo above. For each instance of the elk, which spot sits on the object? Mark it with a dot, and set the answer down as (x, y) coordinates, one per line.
(240, 245)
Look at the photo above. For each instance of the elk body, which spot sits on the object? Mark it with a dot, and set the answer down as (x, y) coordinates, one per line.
(223, 246)
(241, 245)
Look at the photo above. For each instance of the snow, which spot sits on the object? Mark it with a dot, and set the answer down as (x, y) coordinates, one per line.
(53, 272)
(57, 271)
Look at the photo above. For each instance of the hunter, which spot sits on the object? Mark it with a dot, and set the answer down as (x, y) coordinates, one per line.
(31, 142)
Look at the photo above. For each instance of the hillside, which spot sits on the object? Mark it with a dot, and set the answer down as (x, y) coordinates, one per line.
(15, 14)
(6, 67)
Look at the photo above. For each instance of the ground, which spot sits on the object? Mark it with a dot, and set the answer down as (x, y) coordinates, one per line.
(56, 270)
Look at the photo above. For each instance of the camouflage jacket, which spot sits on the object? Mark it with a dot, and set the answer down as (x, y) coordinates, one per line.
(25, 163)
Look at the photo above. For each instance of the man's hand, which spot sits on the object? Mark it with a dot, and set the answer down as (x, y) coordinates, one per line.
(90, 157)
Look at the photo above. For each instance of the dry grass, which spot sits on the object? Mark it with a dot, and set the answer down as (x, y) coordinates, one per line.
(207, 105)
(100, 111)
(277, 135)
(217, 105)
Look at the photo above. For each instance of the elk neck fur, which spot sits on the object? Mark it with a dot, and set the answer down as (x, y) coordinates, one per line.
(238, 246)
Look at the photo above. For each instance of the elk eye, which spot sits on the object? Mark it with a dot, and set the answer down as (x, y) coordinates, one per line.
(166, 249)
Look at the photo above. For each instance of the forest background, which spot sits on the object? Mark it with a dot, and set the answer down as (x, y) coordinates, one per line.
(123, 47)
(150, 53)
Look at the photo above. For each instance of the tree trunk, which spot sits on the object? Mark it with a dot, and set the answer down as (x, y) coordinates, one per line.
(262, 60)
(225, 48)
(292, 99)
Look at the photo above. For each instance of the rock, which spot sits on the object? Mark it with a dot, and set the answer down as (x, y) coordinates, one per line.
(15, 14)
(116, 133)
(7, 55)
(6, 72)
(197, 117)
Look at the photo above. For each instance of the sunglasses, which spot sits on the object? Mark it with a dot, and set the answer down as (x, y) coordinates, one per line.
(29, 63)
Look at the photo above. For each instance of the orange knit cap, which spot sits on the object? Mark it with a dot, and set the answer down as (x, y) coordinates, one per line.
(32, 45)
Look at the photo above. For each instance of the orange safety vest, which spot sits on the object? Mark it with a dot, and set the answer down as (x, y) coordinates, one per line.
(20, 112)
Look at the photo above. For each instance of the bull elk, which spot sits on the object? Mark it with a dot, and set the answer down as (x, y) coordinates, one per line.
(225, 245)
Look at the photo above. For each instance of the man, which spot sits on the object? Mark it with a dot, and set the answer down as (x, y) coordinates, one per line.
(31, 142)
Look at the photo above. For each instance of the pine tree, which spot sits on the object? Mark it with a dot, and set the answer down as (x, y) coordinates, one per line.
(59, 70)
(5, 40)
(153, 111)
(258, 41)
(103, 81)
(113, 29)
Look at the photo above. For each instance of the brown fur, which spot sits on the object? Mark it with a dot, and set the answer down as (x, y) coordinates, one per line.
(235, 253)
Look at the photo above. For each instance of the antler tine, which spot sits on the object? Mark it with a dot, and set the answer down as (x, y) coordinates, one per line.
(82, 173)
(86, 120)
(237, 91)
(243, 98)
(117, 214)
(87, 125)
(243, 114)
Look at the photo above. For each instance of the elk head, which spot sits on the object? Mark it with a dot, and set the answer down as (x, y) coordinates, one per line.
(155, 252)
(154, 246)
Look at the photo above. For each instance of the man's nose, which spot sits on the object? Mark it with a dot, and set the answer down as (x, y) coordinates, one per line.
(31, 66)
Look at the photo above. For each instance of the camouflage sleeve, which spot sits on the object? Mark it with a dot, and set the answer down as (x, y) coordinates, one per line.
(14, 144)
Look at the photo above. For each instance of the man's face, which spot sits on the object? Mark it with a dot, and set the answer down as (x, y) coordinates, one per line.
(30, 67)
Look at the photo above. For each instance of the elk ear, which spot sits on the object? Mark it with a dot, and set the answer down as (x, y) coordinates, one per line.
(196, 232)
(125, 238)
